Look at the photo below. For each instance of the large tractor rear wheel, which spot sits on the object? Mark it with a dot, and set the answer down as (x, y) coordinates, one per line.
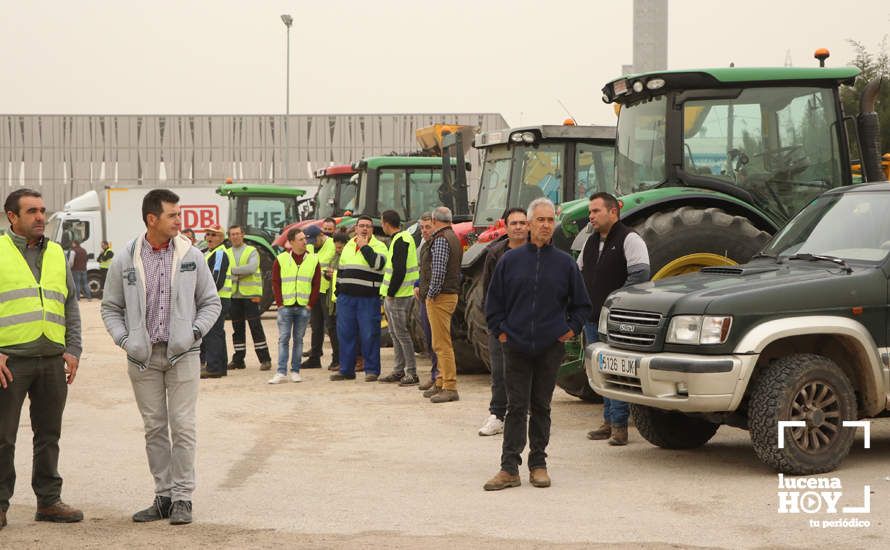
(689, 238)
(477, 328)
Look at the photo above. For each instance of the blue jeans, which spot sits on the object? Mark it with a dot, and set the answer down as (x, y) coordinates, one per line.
(292, 320)
(615, 412)
(82, 283)
(358, 324)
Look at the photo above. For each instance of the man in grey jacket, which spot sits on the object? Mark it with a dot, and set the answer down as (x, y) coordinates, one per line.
(159, 300)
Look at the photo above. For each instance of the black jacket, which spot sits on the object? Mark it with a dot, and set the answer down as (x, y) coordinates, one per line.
(536, 295)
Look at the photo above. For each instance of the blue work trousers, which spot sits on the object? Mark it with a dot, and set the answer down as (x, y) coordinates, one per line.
(358, 324)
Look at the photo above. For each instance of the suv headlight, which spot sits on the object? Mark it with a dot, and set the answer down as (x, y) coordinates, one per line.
(699, 329)
(603, 326)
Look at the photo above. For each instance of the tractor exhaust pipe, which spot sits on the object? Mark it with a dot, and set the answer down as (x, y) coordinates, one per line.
(870, 132)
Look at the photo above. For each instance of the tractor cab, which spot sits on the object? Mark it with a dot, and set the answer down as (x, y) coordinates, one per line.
(562, 163)
(262, 210)
(773, 138)
(335, 194)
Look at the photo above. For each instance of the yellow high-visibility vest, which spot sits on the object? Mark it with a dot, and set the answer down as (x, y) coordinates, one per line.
(296, 280)
(105, 264)
(28, 309)
(352, 259)
(325, 255)
(412, 271)
(226, 290)
(251, 285)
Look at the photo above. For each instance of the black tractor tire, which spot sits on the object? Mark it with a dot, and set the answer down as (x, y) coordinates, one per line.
(671, 234)
(477, 327)
(822, 388)
(266, 261)
(671, 430)
(586, 394)
(96, 281)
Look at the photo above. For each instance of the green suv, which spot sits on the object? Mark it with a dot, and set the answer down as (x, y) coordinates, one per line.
(799, 334)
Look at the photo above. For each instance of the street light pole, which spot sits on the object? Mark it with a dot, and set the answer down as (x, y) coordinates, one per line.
(288, 20)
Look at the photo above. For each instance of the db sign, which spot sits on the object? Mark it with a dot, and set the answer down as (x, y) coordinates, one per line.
(199, 216)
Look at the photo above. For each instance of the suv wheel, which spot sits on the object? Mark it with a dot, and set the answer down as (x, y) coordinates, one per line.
(804, 387)
(671, 430)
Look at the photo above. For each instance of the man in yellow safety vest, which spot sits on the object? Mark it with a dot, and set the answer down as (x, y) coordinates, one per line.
(296, 279)
(40, 345)
(398, 295)
(321, 321)
(214, 354)
(357, 290)
(247, 289)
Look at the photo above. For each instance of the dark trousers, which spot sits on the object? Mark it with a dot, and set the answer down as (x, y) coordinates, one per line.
(43, 380)
(428, 338)
(498, 404)
(530, 380)
(213, 346)
(320, 322)
(244, 309)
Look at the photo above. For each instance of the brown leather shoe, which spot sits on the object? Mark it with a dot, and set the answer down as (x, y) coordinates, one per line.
(433, 390)
(539, 477)
(603, 432)
(58, 513)
(426, 385)
(444, 396)
(619, 436)
(502, 480)
(2, 519)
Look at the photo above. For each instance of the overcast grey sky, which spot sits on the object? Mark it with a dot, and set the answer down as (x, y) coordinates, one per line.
(513, 57)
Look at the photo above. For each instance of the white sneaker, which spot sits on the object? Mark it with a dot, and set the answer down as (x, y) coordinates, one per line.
(278, 378)
(492, 426)
(295, 377)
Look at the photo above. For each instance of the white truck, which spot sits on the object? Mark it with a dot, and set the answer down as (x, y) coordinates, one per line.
(115, 216)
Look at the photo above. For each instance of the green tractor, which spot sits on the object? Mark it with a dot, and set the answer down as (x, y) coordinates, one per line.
(710, 163)
(263, 211)
(562, 163)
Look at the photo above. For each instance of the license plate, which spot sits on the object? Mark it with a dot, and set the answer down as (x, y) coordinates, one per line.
(618, 364)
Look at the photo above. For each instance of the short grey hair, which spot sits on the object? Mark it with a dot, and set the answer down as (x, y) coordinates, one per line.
(426, 217)
(540, 201)
(442, 214)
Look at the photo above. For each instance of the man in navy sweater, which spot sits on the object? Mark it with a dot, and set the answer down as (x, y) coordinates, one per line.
(535, 302)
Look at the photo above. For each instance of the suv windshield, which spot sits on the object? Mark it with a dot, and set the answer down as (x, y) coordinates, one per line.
(853, 226)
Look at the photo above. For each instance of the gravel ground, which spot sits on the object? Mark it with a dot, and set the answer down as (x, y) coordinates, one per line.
(367, 465)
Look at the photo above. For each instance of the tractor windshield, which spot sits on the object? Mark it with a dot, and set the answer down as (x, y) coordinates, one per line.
(514, 175)
(778, 144)
(640, 146)
(263, 215)
(408, 191)
(326, 198)
(493, 186)
(335, 195)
